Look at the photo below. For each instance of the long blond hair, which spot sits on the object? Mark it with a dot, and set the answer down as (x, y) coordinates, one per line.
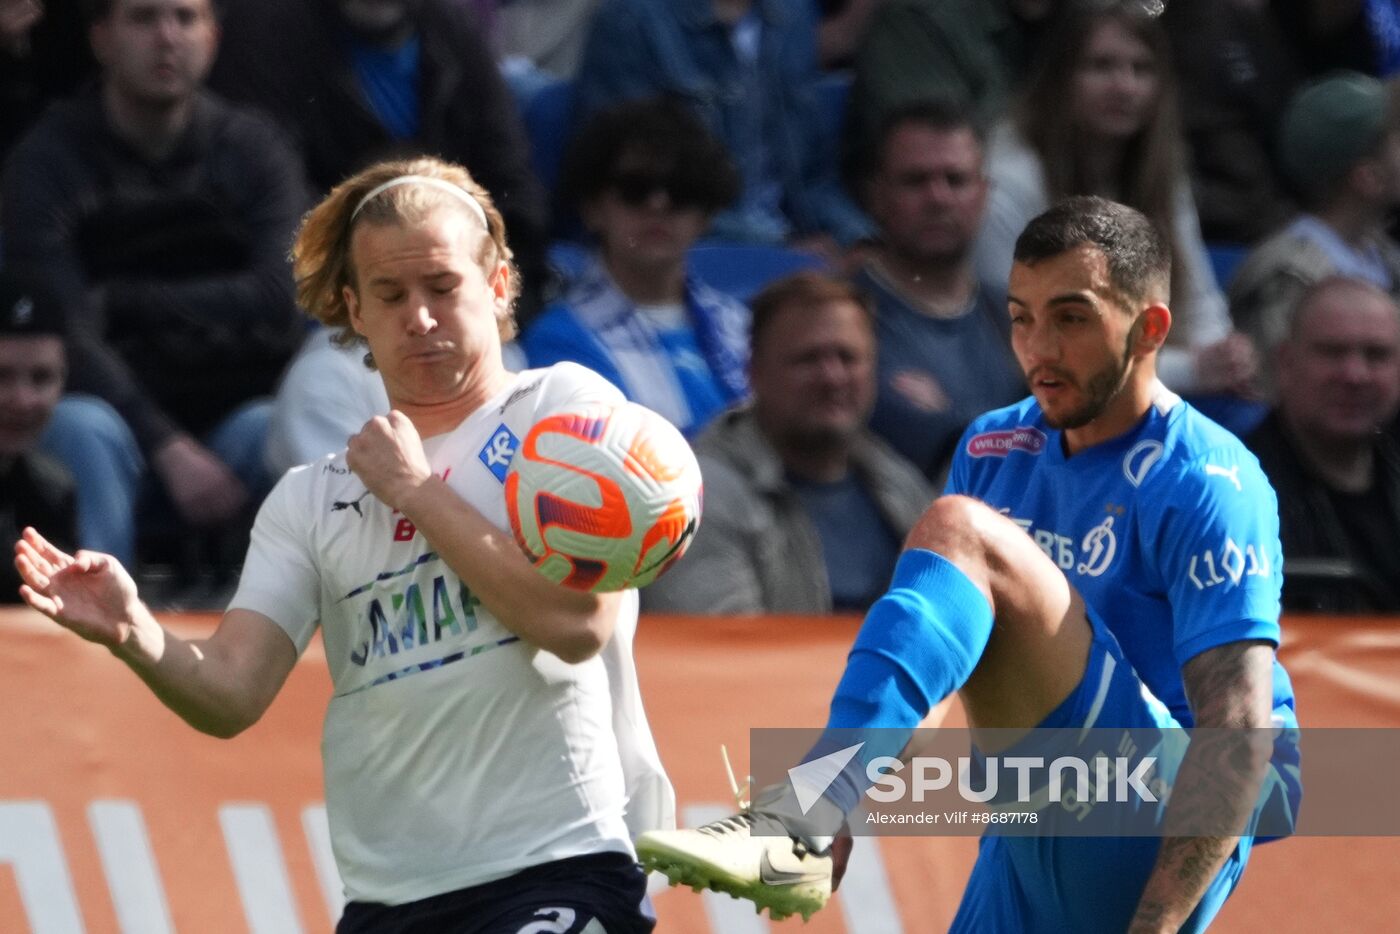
(321, 258)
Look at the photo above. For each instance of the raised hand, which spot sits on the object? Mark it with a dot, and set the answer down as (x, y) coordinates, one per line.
(89, 593)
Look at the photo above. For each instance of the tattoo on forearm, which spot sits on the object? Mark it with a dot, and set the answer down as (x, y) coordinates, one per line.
(1223, 684)
(1198, 862)
(1229, 690)
(1151, 913)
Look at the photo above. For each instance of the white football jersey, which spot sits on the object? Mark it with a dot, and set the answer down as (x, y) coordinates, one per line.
(455, 752)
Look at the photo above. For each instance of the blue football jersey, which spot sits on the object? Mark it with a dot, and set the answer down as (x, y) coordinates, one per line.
(1169, 531)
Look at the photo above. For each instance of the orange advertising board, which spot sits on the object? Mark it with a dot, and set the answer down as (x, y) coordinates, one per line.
(116, 816)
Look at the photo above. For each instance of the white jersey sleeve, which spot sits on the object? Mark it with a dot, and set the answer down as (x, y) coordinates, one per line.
(280, 577)
(572, 383)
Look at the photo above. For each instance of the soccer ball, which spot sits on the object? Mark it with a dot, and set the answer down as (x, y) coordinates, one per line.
(603, 497)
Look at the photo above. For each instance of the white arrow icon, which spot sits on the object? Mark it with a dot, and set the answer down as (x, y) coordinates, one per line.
(810, 780)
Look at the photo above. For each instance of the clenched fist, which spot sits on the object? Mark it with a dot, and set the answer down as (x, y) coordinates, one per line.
(387, 455)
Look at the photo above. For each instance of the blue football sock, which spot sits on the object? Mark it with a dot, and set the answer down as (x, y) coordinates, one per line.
(919, 643)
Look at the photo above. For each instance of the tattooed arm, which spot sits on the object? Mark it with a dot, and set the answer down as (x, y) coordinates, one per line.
(1230, 691)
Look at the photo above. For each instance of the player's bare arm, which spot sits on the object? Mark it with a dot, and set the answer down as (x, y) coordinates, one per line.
(388, 456)
(220, 685)
(1229, 687)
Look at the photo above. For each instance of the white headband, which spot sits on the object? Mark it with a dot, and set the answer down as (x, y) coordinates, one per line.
(456, 190)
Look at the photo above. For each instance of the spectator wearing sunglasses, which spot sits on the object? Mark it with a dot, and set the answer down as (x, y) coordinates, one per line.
(646, 178)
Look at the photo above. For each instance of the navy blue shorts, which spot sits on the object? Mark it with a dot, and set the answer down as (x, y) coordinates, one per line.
(601, 893)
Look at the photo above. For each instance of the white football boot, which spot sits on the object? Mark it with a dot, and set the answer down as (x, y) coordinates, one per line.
(772, 853)
(779, 873)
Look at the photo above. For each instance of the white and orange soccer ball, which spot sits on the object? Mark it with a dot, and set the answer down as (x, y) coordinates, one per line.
(603, 497)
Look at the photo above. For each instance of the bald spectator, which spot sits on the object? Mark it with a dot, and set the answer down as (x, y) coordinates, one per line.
(1340, 144)
(805, 508)
(1337, 473)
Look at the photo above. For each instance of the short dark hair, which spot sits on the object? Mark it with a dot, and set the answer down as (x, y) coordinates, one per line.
(1139, 260)
(659, 129)
(806, 288)
(940, 114)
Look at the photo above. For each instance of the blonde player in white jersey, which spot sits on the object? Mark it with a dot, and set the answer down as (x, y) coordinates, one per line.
(487, 761)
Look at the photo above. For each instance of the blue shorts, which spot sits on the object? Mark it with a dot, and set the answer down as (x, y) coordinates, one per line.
(1087, 884)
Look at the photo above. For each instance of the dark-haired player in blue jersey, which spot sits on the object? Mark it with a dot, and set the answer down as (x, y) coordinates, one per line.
(1106, 557)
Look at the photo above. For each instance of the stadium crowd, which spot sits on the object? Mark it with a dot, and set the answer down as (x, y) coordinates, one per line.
(658, 164)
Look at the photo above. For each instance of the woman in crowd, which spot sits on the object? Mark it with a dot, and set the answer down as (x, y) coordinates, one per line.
(1100, 117)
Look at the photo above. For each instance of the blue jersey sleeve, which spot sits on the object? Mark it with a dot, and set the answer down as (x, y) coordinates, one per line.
(960, 471)
(1219, 558)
